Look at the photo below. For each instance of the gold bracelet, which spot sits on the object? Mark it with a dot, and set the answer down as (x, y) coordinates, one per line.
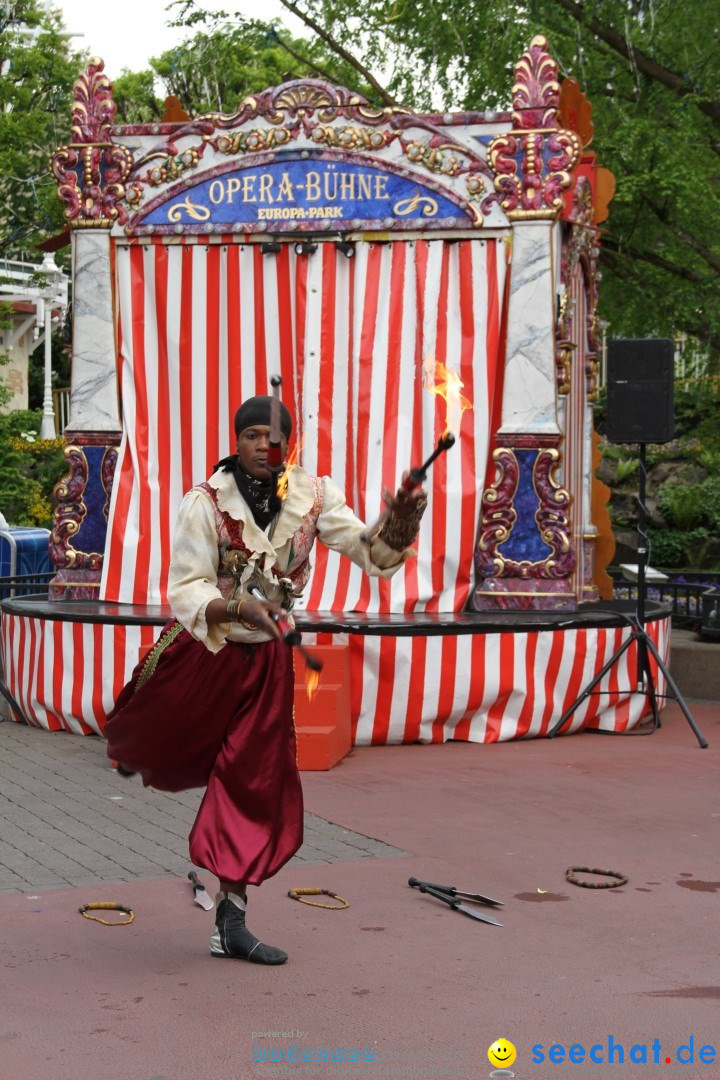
(233, 610)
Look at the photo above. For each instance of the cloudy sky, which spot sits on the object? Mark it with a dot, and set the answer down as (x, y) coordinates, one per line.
(137, 29)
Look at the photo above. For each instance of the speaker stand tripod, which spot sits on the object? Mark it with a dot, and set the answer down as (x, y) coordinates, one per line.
(645, 644)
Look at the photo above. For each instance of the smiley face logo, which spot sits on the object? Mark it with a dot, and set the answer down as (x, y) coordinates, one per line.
(502, 1053)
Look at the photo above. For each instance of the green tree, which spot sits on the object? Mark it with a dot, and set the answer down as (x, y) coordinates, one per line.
(220, 63)
(37, 71)
(651, 71)
(5, 324)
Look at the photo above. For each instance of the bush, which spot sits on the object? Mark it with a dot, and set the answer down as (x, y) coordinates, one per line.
(680, 506)
(625, 469)
(687, 506)
(29, 469)
(674, 548)
(668, 548)
(709, 498)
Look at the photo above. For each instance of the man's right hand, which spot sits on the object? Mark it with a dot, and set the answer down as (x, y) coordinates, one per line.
(252, 611)
(258, 613)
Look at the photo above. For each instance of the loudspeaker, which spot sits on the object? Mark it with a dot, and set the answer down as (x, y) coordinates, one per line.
(640, 378)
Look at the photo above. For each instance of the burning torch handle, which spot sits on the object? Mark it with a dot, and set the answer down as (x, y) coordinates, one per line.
(412, 481)
(275, 454)
(290, 634)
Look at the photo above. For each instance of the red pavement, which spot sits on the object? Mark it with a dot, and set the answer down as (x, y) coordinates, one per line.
(400, 973)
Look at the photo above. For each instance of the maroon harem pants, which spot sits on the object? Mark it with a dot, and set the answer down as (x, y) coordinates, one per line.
(222, 721)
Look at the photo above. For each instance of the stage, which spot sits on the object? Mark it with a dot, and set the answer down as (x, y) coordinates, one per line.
(379, 261)
(426, 677)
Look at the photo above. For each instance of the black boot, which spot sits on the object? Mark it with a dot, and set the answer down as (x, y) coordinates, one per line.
(231, 937)
(122, 771)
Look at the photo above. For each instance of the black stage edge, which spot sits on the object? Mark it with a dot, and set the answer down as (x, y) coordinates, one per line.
(606, 614)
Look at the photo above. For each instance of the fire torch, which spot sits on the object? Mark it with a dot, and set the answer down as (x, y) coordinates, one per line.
(276, 465)
(413, 480)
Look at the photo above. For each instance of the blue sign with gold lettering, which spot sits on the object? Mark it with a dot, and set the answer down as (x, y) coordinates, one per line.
(306, 192)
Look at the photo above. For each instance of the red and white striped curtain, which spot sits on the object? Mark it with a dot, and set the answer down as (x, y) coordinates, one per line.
(476, 687)
(203, 326)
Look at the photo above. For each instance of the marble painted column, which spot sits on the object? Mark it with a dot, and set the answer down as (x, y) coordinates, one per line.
(524, 555)
(90, 172)
(77, 542)
(525, 558)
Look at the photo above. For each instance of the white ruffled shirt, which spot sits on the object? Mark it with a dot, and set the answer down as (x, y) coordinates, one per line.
(193, 577)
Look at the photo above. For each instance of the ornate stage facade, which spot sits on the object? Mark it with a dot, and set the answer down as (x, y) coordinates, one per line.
(340, 245)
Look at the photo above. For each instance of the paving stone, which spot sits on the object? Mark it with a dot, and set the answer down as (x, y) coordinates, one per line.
(62, 823)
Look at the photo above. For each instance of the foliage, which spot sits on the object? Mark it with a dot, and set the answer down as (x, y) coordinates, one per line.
(650, 69)
(693, 512)
(671, 548)
(37, 72)
(626, 468)
(697, 415)
(36, 370)
(5, 322)
(679, 505)
(29, 469)
(221, 63)
(708, 494)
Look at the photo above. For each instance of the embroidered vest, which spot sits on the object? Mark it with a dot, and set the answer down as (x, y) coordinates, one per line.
(234, 555)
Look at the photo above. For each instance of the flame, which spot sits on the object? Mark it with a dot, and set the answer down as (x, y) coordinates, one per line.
(290, 464)
(447, 384)
(312, 679)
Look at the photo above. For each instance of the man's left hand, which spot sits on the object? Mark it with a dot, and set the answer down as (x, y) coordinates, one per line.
(403, 502)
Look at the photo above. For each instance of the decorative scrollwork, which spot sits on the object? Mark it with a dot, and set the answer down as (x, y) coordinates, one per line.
(251, 142)
(475, 187)
(107, 475)
(592, 366)
(580, 255)
(536, 90)
(351, 138)
(93, 108)
(70, 514)
(498, 513)
(307, 97)
(432, 157)
(533, 163)
(499, 517)
(425, 203)
(563, 365)
(532, 170)
(196, 211)
(551, 518)
(91, 171)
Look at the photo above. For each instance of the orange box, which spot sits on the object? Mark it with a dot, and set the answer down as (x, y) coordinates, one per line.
(322, 726)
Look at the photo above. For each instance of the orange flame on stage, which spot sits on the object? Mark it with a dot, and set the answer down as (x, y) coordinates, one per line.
(312, 679)
(290, 464)
(447, 384)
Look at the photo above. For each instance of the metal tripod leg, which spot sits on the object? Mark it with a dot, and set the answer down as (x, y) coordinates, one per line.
(13, 704)
(645, 643)
(591, 686)
(678, 696)
(645, 675)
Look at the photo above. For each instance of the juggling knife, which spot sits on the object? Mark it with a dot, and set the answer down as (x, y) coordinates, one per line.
(457, 905)
(201, 896)
(477, 898)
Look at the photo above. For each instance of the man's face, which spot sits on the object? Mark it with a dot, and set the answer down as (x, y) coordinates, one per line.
(252, 449)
